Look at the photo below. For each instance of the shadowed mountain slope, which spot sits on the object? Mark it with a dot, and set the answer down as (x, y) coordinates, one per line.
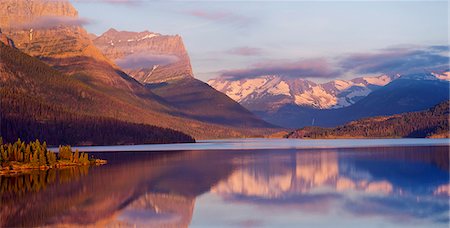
(401, 95)
(433, 122)
(161, 63)
(38, 102)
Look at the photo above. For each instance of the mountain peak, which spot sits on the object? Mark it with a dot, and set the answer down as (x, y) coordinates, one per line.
(110, 31)
(147, 56)
(37, 27)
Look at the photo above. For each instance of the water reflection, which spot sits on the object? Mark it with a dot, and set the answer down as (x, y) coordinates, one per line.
(393, 186)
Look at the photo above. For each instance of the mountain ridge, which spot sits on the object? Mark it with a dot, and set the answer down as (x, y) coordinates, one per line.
(148, 57)
(268, 93)
(433, 122)
(175, 81)
(401, 95)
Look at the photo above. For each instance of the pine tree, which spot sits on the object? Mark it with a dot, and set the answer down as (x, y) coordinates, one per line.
(51, 158)
(34, 159)
(5, 155)
(42, 159)
(76, 156)
(27, 155)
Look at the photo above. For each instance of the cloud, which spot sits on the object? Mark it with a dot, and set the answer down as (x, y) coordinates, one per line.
(318, 68)
(397, 60)
(123, 2)
(145, 60)
(47, 22)
(221, 16)
(443, 48)
(245, 51)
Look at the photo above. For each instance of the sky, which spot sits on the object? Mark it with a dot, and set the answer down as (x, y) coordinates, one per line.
(311, 39)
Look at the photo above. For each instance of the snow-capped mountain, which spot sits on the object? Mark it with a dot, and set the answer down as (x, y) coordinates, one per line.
(271, 92)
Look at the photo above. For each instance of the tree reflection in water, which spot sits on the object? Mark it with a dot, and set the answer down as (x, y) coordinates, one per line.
(148, 189)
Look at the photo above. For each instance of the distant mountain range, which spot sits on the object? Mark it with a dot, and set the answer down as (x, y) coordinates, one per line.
(294, 103)
(433, 122)
(270, 92)
(94, 84)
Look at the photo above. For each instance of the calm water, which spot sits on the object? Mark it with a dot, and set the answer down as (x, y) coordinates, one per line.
(406, 185)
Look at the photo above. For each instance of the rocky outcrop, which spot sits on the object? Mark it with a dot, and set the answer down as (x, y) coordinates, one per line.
(6, 40)
(46, 28)
(52, 31)
(148, 57)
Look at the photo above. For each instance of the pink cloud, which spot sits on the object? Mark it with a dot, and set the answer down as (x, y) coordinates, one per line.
(221, 16)
(319, 68)
(145, 60)
(125, 2)
(47, 22)
(398, 60)
(245, 51)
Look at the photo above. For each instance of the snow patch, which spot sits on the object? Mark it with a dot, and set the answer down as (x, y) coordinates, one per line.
(316, 97)
(148, 36)
(380, 80)
(342, 84)
(281, 88)
(445, 76)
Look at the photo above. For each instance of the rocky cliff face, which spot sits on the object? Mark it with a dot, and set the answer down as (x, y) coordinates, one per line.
(46, 28)
(52, 31)
(6, 40)
(148, 57)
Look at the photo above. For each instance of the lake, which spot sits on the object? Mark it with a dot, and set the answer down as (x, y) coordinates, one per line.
(242, 183)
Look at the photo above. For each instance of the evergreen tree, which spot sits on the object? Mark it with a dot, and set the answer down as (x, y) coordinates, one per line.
(42, 159)
(34, 159)
(27, 154)
(51, 158)
(76, 156)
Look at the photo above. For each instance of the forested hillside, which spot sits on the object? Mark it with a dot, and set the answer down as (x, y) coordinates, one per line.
(38, 102)
(433, 122)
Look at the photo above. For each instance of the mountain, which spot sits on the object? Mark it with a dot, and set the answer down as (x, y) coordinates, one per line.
(162, 64)
(39, 102)
(296, 102)
(269, 93)
(51, 32)
(146, 56)
(402, 95)
(433, 122)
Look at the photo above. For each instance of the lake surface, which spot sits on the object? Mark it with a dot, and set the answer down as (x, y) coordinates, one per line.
(236, 183)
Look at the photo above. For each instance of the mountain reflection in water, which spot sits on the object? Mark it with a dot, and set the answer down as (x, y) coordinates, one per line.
(393, 186)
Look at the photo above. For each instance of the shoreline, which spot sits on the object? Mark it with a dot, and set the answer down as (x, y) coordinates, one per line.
(267, 143)
(17, 168)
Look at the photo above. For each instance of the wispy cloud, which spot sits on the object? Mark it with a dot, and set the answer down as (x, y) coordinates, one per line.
(245, 51)
(123, 2)
(397, 60)
(221, 16)
(47, 22)
(145, 60)
(308, 68)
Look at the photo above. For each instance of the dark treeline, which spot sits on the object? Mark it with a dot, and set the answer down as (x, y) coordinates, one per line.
(66, 114)
(429, 123)
(23, 119)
